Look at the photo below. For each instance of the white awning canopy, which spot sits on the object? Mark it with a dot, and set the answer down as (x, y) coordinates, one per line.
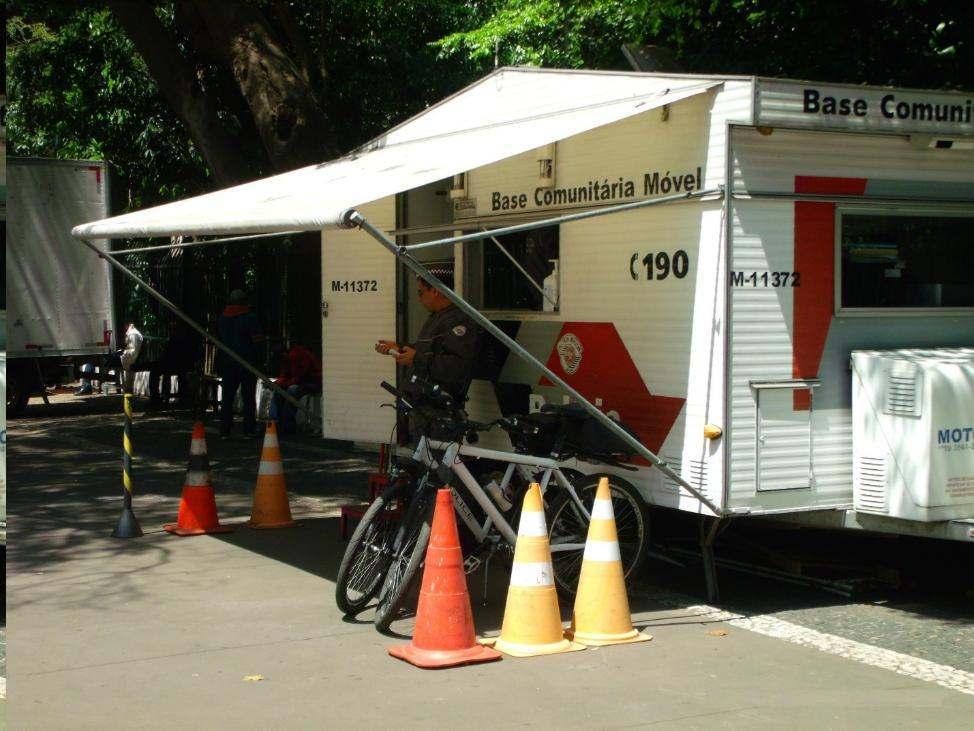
(508, 112)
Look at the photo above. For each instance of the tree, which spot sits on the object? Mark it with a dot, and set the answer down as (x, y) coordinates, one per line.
(260, 86)
(187, 96)
(913, 43)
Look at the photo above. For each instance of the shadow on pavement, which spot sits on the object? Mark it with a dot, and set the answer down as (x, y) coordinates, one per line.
(64, 469)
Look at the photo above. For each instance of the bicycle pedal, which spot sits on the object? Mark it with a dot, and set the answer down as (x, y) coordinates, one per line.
(471, 564)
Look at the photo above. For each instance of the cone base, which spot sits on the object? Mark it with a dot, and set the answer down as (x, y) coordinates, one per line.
(128, 525)
(596, 639)
(516, 649)
(443, 658)
(277, 524)
(175, 529)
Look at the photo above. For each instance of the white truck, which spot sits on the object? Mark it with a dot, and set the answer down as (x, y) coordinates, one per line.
(59, 296)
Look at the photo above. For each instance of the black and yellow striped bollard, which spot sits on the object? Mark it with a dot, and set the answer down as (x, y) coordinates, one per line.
(128, 526)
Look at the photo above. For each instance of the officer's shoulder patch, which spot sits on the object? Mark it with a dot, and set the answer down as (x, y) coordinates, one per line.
(460, 330)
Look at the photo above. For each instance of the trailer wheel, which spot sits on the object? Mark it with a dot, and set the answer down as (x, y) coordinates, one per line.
(18, 393)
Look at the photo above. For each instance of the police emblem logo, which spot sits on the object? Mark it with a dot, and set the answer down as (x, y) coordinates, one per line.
(570, 353)
(460, 330)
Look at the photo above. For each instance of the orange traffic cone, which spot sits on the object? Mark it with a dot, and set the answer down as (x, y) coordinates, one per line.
(601, 615)
(197, 508)
(444, 634)
(271, 508)
(532, 620)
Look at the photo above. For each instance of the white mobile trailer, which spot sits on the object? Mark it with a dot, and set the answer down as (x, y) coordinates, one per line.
(59, 296)
(813, 221)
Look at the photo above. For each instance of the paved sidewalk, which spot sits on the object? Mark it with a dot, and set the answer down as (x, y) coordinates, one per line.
(167, 632)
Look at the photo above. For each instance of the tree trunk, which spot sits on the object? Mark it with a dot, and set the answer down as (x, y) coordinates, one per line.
(284, 107)
(178, 84)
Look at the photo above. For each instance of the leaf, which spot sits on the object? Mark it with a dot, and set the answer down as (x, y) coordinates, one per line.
(718, 632)
(253, 678)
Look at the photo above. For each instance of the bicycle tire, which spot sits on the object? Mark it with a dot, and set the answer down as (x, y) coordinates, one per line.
(566, 525)
(367, 556)
(408, 555)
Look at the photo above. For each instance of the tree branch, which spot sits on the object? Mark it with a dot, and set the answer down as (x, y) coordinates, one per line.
(179, 86)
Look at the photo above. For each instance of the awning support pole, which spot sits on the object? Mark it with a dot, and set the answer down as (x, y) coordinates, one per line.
(567, 218)
(192, 323)
(352, 218)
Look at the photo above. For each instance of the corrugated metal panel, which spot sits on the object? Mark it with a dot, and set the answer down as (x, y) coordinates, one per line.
(351, 397)
(59, 294)
(733, 102)
(761, 328)
(770, 163)
(863, 108)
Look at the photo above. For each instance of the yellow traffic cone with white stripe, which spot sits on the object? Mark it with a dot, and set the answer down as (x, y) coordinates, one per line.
(271, 508)
(601, 615)
(532, 620)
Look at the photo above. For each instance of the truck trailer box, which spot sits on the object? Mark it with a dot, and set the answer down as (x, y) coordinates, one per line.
(59, 296)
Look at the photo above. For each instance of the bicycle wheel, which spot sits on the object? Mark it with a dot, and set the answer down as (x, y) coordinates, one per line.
(367, 555)
(568, 526)
(408, 554)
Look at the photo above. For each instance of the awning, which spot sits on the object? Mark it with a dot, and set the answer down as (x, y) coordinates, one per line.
(508, 112)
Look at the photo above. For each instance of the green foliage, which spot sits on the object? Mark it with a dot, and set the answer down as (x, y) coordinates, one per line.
(77, 90)
(913, 43)
(553, 34)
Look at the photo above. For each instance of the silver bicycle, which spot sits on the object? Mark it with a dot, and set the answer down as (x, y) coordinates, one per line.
(488, 520)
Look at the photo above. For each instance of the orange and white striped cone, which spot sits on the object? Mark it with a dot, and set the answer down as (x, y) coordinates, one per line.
(601, 615)
(271, 507)
(197, 508)
(532, 619)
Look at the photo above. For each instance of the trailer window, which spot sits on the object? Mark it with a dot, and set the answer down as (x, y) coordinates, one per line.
(906, 260)
(514, 272)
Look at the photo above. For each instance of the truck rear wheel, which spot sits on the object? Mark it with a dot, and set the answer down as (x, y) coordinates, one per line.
(18, 393)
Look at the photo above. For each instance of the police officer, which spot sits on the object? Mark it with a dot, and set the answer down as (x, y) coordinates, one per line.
(446, 349)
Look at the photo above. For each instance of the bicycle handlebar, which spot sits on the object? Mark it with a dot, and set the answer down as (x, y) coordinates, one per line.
(440, 398)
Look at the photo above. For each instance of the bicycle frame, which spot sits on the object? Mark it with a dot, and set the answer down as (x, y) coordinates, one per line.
(452, 453)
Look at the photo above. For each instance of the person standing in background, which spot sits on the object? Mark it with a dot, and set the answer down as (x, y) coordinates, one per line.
(239, 329)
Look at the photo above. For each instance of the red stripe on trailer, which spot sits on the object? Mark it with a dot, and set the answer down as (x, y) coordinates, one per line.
(814, 302)
(603, 369)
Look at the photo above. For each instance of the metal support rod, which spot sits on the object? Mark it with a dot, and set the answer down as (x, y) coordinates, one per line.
(192, 323)
(354, 218)
(232, 239)
(690, 195)
(521, 269)
(707, 538)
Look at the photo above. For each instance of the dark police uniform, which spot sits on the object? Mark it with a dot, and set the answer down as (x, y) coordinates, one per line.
(446, 351)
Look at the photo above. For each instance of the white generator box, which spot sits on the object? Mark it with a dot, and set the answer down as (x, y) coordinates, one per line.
(913, 433)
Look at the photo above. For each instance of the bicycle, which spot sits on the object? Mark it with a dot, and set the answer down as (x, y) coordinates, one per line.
(488, 529)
